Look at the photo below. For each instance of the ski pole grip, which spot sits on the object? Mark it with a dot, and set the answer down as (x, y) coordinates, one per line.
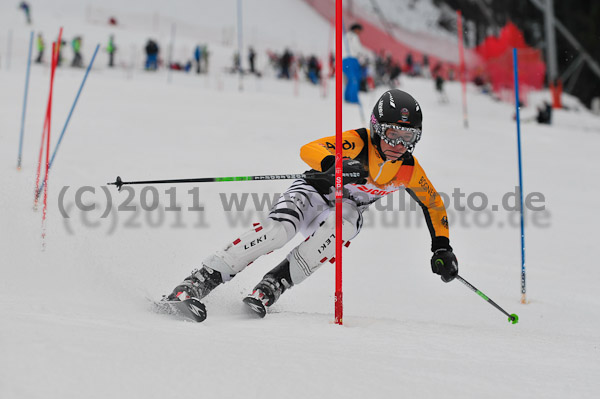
(118, 183)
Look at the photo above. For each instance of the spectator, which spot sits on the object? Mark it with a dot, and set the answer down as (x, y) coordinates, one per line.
(439, 87)
(544, 113)
(40, 47)
(237, 67)
(331, 64)
(394, 74)
(178, 66)
(300, 62)
(353, 51)
(366, 76)
(63, 43)
(439, 83)
(25, 7)
(426, 71)
(152, 51)
(409, 64)
(198, 58)
(380, 67)
(205, 55)
(314, 70)
(482, 82)
(416, 69)
(251, 59)
(77, 59)
(110, 49)
(285, 62)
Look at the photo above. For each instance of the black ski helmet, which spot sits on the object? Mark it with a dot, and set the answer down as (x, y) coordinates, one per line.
(398, 109)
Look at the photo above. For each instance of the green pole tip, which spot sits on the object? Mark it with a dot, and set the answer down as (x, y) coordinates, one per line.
(513, 318)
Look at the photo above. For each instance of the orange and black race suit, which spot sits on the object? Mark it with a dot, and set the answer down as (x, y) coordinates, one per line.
(385, 177)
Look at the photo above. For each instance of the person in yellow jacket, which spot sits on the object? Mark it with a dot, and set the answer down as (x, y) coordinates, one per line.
(40, 47)
(111, 49)
(381, 161)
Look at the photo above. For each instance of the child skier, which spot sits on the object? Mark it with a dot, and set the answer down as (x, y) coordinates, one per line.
(382, 161)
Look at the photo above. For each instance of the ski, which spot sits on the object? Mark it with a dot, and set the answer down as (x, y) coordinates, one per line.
(189, 309)
(255, 305)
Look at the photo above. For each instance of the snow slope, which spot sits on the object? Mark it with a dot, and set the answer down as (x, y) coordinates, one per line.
(75, 321)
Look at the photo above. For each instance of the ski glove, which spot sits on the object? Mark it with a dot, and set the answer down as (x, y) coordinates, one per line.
(323, 182)
(444, 263)
(349, 166)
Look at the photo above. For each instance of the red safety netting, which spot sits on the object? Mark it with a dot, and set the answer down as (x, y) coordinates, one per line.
(496, 53)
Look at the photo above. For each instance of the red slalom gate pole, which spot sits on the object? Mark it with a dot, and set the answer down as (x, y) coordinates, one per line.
(339, 307)
(49, 118)
(39, 166)
(46, 129)
(55, 50)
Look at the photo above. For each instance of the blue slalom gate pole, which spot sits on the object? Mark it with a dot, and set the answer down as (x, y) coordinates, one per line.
(517, 106)
(25, 102)
(70, 113)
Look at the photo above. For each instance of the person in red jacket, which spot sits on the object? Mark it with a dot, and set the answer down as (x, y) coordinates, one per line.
(380, 160)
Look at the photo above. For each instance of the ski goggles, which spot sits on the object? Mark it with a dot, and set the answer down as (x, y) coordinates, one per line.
(394, 134)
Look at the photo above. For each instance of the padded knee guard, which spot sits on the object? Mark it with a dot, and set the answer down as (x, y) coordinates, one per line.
(260, 240)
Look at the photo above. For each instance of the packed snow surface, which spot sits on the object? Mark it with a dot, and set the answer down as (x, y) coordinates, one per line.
(75, 319)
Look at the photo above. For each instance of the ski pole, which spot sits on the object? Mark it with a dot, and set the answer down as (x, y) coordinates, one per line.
(319, 175)
(513, 318)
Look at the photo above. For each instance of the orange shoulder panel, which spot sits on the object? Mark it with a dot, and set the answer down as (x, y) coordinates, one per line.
(314, 152)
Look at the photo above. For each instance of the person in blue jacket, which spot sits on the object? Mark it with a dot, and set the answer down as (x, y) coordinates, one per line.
(352, 54)
(198, 58)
